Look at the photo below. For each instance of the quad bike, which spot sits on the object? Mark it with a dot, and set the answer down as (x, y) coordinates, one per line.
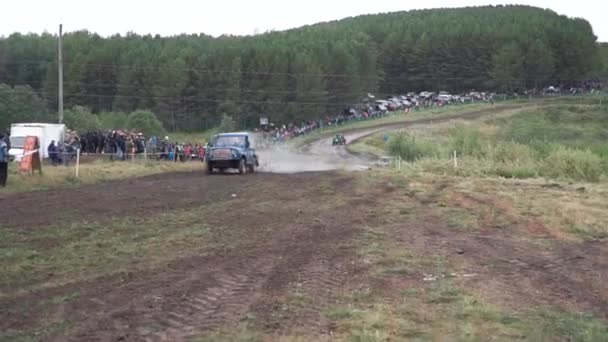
(338, 140)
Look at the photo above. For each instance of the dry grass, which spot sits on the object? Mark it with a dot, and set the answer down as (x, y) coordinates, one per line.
(90, 173)
(573, 211)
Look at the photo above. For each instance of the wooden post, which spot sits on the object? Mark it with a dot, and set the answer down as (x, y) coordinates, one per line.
(77, 161)
(399, 163)
(455, 160)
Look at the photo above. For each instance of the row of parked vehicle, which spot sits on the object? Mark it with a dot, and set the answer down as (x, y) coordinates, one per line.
(425, 99)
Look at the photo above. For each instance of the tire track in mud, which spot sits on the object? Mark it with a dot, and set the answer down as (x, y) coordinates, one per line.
(303, 283)
(296, 302)
(167, 314)
(188, 303)
(193, 296)
(319, 281)
(228, 300)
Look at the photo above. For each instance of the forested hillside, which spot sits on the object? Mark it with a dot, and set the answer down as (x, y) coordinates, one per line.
(189, 80)
(603, 57)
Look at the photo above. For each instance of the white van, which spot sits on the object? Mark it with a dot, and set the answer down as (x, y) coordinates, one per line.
(44, 131)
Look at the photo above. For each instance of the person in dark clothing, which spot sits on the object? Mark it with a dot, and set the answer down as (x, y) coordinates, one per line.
(52, 150)
(3, 161)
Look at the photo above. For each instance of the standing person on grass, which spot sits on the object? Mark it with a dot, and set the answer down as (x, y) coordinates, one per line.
(52, 151)
(3, 161)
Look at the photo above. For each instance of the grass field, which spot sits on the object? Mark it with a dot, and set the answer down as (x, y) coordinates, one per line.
(558, 141)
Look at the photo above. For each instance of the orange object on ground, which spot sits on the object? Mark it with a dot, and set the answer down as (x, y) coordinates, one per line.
(31, 155)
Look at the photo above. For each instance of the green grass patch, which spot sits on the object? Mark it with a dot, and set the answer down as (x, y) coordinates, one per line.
(442, 310)
(467, 141)
(569, 163)
(83, 250)
(461, 219)
(405, 146)
(438, 311)
(569, 326)
(555, 141)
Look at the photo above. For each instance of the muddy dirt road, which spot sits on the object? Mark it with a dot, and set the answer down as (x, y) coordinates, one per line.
(296, 244)
(320, 155)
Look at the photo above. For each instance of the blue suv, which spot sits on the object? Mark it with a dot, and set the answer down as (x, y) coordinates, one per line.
(231, 151)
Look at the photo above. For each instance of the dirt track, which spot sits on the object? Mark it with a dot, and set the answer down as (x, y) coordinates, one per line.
(194, 295)
(303, 238)
(322, 156)
(309, 249)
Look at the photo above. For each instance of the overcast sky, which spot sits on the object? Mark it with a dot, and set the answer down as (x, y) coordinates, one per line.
(216, 17)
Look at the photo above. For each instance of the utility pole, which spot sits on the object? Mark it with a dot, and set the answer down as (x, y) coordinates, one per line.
(60, 68)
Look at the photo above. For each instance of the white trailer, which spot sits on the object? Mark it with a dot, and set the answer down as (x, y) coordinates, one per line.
(44, 131)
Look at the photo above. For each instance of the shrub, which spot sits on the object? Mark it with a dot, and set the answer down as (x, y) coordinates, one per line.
(467, 141)
(405, 146)
(80, 119)
(145, 121)
(520, 171)
(565, 162)
(513, 160)
(113, 120)
(512, 153)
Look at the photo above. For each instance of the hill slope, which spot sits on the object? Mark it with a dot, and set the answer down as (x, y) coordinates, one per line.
(307, 72)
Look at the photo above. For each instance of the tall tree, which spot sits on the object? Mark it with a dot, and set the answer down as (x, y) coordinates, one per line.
(189, 81)
(507, 67)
